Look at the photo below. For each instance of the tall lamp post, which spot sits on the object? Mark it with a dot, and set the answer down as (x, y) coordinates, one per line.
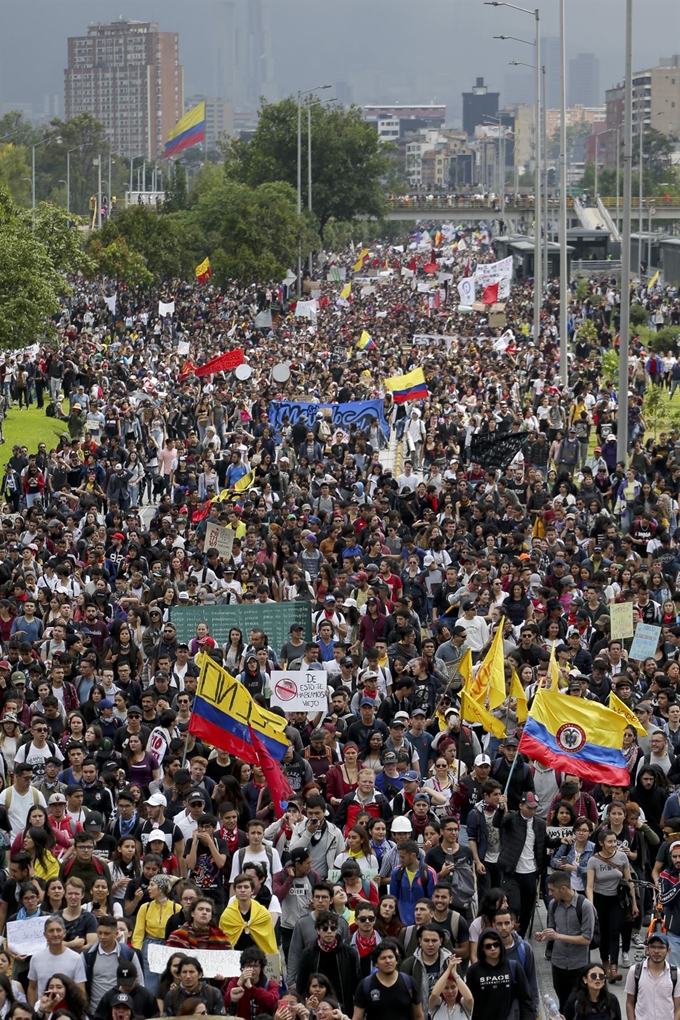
(538, 281)
(564, 274)
(624, 327)
(300, 95)
(318, 102)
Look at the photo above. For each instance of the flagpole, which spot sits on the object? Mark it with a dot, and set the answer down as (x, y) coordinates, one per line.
(512, 769)
(184, 752)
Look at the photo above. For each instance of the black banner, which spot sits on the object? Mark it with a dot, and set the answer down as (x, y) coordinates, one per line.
(493, 450)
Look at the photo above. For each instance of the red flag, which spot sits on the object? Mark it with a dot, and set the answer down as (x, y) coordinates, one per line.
(187, 370)
(279, 787)
(431, 267)
(436, 299)
(490, 295)
(466, 268)
(223, 363)
(413, 265)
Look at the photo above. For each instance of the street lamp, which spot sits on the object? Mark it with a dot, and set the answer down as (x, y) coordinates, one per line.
(307, 92)
(624, 323)
(538, 228)
(564, 274)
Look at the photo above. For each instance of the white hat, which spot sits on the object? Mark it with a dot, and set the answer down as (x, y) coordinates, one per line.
(482, 759)
(401, 824)
(157, 800)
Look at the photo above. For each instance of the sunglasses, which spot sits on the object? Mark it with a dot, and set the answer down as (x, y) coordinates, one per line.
(491, 945)
(328, 927)
(365, 920)
(599, 976)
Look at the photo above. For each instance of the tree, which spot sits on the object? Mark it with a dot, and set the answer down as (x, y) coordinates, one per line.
(62, 239)
(250, 233)
(84, 136)
(117, 261)
(176, 189)
(13, 171)
(157, 239)
(348, 160)
(15, 130)
(29, 281)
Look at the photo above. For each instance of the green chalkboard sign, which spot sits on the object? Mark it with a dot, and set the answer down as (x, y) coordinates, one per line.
(274, 618)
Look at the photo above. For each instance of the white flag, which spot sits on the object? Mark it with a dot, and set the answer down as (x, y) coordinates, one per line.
(110, 303)
(462, 245)
(466, 291)
(166, 309)
(183, 348)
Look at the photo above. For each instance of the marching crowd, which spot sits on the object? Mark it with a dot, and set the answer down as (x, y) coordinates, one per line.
(404, 872)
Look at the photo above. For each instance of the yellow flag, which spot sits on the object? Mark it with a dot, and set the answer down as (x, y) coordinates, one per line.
(244, 483)
(346, 290)
(465, 667)
(517, 692)
(553, 670)
(491, 674)
(360, 261)
(622, 709)
(472, 711)
(653, 280)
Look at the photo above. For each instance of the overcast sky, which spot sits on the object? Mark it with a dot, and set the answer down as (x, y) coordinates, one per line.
(400, 50)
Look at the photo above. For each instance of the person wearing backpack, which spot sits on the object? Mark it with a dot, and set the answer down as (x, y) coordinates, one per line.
(429, 959)
(652, 985)
(571, 928)
(387, 992)
(410, 881)
(499, 986)
(517, 948)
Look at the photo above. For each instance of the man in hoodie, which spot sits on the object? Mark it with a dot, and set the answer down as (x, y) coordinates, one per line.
(499, 986)
(517, 948)
(428, 962)
(669, 896)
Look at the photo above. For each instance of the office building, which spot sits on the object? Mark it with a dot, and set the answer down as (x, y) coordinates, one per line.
(478, 104)
(584, 80)
(656, 97)
(128, 76)
(244, 66)
(219, 118)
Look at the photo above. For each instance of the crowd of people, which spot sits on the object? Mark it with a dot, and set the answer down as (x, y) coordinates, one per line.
(405, 871)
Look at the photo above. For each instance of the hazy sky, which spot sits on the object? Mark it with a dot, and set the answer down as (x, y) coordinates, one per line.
(397, 50)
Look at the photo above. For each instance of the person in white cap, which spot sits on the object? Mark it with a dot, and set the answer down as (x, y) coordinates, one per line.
(156, 805)
(468, 792)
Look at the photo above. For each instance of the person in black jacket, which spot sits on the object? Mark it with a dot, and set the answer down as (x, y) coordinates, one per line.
(522, 857)
(333, 958)
(499, 986)
(521, 780)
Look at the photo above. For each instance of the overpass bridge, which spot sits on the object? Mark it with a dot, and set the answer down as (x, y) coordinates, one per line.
(518, 209)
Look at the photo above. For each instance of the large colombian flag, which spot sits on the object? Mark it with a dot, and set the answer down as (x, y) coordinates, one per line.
(411, 386)
(188, 131)
(580, 737)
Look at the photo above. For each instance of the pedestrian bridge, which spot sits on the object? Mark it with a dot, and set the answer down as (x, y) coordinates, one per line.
(518, 209)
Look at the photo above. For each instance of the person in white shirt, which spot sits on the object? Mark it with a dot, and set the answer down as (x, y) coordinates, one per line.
(18, 798)
(476, 628)
(187, 820)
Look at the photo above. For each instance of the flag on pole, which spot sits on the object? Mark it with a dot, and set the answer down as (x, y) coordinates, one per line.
(517, 692)
(245, 483)
(411, 386)
(365, 341)
(653, 280)
(491, 673)
(473, 711)
(203, 272)
(622, 709)
(277, 783)
(188, 131)
(583, 738)
(490, 294)
(360, 261)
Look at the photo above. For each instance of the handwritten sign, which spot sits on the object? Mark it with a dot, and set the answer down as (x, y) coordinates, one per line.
(621, 616)
(26, 937)
(645, 642)
(215, 962)
(466, 291)
(299, 691)
(222, 539)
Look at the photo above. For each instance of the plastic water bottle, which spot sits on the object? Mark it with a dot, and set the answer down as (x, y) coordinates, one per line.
(551, 1008)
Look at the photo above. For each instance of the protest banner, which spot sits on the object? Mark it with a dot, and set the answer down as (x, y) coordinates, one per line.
(222, 539)
(493, 272)
(215, 962)
(645, 642)
(299, 690)
(356, 412)
(26, 937)
(621, 616)
(466, 291)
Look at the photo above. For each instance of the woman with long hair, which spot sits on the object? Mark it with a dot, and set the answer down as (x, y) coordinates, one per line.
(450, 998)
(54, 899)
(358, 848)
(343, 777)
(10, 735)
(632, 751)
(150, 924)
(233, 651)
(388, 923)
(57, 841)
(592, 999)
(139, 764)
(169, 979)
(607, 869)
(18, 992)
(574, 853)
(37, 844)
(62, 993)
(120, 648)
(493, 900)
(89, 708)
(126, 866)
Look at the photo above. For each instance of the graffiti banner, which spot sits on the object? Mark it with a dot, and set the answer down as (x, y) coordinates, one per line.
(358, 412)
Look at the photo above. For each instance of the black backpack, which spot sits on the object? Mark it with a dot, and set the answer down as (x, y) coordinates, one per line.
(578, 905)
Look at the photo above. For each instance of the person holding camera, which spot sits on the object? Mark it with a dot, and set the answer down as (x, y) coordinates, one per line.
(251, 993)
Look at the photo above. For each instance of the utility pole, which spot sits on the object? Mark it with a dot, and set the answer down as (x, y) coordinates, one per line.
(564, 274)
(624, 328)
(538, 230)
(99, 192)
(309, 174)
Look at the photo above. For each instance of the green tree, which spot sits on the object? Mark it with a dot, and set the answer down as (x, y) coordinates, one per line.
(16, 130)
(14, 171)
(250, 233)
(29, 281)
(157, 239)
(117, 261)
(176, 189)
(85, 138)
(348, 160)
(62, 239)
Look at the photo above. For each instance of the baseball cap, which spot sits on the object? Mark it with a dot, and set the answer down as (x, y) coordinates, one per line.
(389, 758)
(658, 936)
(134, 710)
(4, 664)
(530, 800)
(56, 798)
(299, 854)
(482, 759)
(105, 703)
(367, 701)
(511, 742)
(418, 711)
(94, 822)
(411, 776)
(157, 800)
(422, 796)
(126, 972)
(196, 797)
(123, 999)
(402, 717)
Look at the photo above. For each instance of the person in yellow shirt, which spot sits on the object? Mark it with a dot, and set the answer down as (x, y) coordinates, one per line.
(150, 924)
(45, 864)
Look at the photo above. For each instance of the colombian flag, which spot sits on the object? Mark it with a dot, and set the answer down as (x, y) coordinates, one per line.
(580, 737)
(411, 386)
(203, 272)
(365, 342)
(188, 131)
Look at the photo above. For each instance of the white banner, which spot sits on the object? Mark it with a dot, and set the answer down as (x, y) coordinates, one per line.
(110, 303)
(166, 308)
(466, 290)
(26, 937)
(222, 539)
(183, 348)
(215, 962)
(306, 309)
(494, 272)
(299, 691)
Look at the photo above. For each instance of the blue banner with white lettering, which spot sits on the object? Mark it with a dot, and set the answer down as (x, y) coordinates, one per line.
(357, 412)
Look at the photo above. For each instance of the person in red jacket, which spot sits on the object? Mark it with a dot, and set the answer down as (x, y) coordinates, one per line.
(251, 986)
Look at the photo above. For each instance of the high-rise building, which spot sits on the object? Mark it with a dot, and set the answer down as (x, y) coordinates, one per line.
(551, 59)
(244, 68)
(477, 105)
(219, 118)
(128, 76)
(584, 80)
(656, 97)
(519, 86)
